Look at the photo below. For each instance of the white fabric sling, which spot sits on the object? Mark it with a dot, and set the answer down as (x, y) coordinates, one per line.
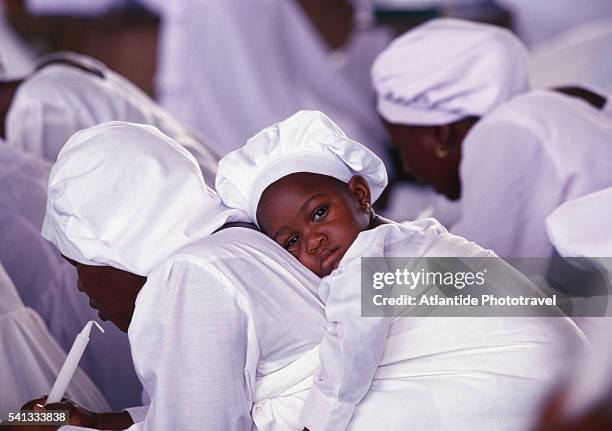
(459, 373)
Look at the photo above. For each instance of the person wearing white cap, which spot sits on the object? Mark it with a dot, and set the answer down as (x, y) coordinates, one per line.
(310, 188)
(205, 320)
(45, 282)
(121, 198)
(68, 92)
(453, 97)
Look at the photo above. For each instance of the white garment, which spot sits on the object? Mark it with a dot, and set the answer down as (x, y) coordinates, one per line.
(213, 318)
(522, 161)
(47, 284)
(30, 358)
(448, 69)
(16, 57)
(23, 184)
(579, 56)
(347, 369)
(537, 21)
(436, 373)
(578, 229)
(308, 141)
(217, 60)
(125, 195)
(58, 100)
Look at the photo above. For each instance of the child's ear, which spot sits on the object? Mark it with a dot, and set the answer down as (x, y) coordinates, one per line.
(360, 190)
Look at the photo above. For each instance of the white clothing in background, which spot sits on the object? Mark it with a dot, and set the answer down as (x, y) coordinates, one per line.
(522, 161)
(23, 184)
(16, 57)
(248, 64)
(537, 21)
(212, 319)
(579, 228)
(577, 56)
(436, 373)
(47, 284)
(58, 100)
(30, 358)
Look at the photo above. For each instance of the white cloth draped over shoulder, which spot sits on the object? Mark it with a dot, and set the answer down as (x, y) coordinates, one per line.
(30, 358)
(59, 99)
(522, 161)
(443, 373)
(46, 283)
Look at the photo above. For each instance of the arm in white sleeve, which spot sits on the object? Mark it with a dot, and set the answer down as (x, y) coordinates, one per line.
(349, 355)
(189, 341)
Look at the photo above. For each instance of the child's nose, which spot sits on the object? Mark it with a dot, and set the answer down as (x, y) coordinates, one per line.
(315, 241)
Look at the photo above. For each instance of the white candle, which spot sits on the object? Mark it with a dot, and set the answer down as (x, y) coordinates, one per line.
(70, 364)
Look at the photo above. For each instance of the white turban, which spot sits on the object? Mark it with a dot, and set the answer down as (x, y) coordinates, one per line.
(448, 69)
(308, 141)
(127, 196)
(577, 228)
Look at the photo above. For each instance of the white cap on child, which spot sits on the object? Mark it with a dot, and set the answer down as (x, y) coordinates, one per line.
(308, 141)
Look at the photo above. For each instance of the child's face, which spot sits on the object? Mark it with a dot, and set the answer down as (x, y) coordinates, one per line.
(315, 217)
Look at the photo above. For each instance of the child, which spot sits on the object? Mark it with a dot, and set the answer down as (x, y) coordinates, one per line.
(311, 189)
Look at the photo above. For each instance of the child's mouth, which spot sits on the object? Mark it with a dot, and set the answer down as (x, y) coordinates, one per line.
(330, 261)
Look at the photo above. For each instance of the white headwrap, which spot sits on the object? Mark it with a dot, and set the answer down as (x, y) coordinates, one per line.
(308, 141)
(448, 69)
(127, 196)
(578, 227)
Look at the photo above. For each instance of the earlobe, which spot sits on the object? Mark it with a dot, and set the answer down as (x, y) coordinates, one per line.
(442, 147)
(359, 188)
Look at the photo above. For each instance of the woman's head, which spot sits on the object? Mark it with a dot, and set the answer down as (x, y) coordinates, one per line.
(434, 82)
(306, 185)
(122, 198)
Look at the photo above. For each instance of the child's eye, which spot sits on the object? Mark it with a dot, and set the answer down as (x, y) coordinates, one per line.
(319, 213)
(291, 241)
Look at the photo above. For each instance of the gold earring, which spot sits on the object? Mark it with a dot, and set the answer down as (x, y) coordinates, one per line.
(441, 151)
(367, 208)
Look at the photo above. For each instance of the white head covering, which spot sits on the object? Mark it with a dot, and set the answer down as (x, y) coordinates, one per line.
(127, 196)
(578, 228)
(308, 141)
(448, 69)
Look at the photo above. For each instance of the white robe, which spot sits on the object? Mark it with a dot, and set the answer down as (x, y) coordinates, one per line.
(218, 60)
(522, 161)
(455, 373)
(537, 21)
(58, 100)
(214, 317)
(46, 283)
(30, 358)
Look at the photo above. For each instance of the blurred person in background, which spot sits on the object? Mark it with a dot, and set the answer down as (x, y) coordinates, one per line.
(454, 97)
(68, 92)
(250, 64)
